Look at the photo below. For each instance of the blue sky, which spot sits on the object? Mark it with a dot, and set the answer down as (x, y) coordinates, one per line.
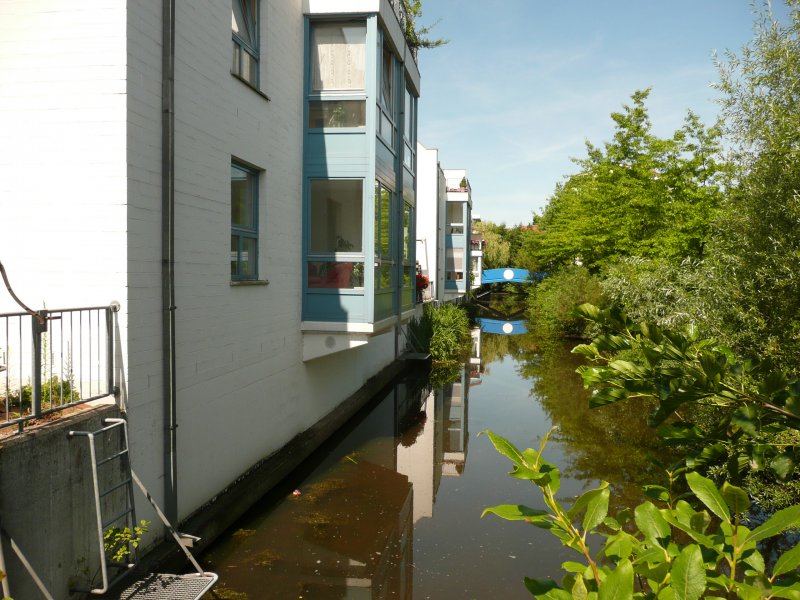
(523, 83)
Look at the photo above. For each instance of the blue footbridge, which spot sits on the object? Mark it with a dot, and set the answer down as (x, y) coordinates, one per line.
(510, 275)
(500, 327)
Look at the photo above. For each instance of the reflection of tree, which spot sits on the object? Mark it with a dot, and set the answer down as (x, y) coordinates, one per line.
(609, 443)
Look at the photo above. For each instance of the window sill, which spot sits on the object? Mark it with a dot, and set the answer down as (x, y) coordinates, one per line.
(249, 282)
(250, 85)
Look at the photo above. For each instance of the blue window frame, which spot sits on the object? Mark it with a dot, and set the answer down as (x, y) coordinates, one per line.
(244, 23)
(244, 222)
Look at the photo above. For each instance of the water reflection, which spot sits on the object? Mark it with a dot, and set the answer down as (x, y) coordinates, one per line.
(390, 508)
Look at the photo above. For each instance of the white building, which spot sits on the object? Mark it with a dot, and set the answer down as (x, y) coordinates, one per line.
(200, 200)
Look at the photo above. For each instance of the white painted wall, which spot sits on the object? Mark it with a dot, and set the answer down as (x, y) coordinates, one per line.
(62, 152)
(243, 389)
(430, 219)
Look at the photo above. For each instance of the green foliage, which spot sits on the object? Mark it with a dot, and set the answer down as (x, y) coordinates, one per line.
(118, 541)
(675, 551)
(552, 302)
(757, 246)
(639, 195)
(677, 368)
(443, 331)
(55, 390)
(450, 339)
(661, 291)
(497, 253)
(417, 35)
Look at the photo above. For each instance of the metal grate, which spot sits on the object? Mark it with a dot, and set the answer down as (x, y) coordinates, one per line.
(167, 587)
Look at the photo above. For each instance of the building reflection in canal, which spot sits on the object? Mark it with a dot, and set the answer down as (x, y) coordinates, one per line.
(346, 531)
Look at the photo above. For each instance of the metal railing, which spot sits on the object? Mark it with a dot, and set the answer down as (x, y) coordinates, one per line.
(53, 360)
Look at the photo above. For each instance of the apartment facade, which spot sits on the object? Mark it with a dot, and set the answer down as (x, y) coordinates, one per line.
(246, 195)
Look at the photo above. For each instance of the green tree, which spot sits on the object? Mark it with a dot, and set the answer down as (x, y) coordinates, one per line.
(756, 252)
(497, 252)
(638, 195)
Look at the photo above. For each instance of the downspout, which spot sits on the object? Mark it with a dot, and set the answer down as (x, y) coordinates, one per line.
(168, 259)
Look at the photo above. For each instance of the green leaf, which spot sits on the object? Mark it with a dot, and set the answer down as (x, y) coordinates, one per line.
(777, 523)
(708, 494)
(587, 350)
(579, 591)
(688, 574)
(788, 561)
(588, 311)
(618, 585)
(736, 498)
(747, 418)
(596, 510)
(506, 448)
(652, 524)
(583, 501)
(515, 512)
(546, 588)
(791, 591)
(656, 492)
(606, 395)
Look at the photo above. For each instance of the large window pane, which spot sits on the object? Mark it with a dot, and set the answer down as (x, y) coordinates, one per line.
(336, 215)
(338, 57)
(336, 113)
(339, 275)
(244, 222)
(406, 232)
(242, 198)
(244, 25)
(387, 82)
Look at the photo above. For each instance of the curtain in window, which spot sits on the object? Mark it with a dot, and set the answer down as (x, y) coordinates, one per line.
(338, 57)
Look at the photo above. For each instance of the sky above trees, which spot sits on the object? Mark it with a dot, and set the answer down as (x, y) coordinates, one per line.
(523, 83)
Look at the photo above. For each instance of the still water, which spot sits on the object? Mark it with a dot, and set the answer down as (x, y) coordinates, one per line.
(391, 507)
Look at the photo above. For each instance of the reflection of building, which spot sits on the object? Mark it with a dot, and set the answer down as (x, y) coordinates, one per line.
(419, 461)
(454, 417)
(475, 365)
(365, 555)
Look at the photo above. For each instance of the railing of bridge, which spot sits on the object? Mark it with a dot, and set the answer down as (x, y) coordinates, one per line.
(52, 360)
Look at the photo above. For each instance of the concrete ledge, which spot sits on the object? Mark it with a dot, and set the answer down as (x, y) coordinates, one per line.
(47, 502)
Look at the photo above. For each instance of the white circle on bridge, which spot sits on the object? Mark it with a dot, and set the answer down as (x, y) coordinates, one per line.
(508, 328)
(508, 274)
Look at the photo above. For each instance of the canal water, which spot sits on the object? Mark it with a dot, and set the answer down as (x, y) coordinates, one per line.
(390, 508)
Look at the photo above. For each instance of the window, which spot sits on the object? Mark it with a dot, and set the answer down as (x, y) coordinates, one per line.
(338, 57)
(454, 264)
(409, 270)
(384, 264)
(244, 23)
(386, 97)
(338, 72)
(335, 234)
(410, 129)
(244, 222)
(455, 218)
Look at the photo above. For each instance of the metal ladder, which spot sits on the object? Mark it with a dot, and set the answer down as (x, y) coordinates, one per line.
(151, 586)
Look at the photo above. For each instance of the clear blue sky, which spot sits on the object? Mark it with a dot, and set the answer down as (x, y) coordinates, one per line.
(523, 83)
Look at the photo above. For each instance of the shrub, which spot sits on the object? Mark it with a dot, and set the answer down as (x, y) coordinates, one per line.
(450, 338)
(552, 303)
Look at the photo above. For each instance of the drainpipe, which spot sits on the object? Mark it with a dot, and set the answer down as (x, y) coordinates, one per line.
(168, 259)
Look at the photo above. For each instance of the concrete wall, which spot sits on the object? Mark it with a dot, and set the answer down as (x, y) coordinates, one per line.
(430, 219)
(52, 522)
